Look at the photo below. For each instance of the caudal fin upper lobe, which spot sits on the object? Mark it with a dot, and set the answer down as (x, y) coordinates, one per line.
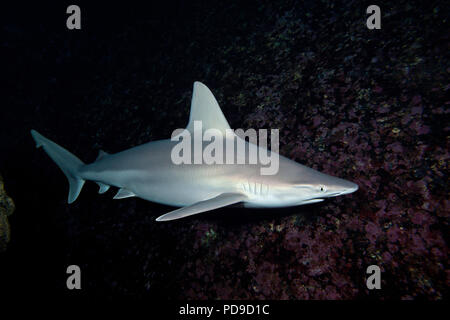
(65, 160)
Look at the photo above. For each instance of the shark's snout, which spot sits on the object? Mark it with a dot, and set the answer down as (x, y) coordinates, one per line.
(349, 188)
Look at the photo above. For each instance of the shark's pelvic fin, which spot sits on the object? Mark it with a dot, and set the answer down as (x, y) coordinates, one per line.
(220, 201)
(124, 193)
(204, 107)
(66, 161)
(102, 187)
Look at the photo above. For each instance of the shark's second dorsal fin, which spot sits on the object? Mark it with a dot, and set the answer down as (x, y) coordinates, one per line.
(101, 154)
(204, 107)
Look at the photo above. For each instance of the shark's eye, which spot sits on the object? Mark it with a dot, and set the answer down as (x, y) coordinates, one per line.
(322, 189)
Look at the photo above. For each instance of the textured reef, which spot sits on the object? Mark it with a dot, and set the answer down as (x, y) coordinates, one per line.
(6, 209)
(370, 106)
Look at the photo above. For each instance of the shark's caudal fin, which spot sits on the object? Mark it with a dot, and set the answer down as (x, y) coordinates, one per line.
(66, 161)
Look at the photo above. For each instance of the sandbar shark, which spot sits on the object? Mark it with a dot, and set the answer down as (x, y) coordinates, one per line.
(148, 172)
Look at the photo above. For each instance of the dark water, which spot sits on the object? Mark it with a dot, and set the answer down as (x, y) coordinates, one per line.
(370, 106)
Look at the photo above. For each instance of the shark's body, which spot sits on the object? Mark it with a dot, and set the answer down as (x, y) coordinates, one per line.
(148, 172)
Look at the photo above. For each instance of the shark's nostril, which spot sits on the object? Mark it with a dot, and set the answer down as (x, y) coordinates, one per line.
(351, 189)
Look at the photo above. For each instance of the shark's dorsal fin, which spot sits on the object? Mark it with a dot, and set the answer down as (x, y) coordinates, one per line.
(204, 107)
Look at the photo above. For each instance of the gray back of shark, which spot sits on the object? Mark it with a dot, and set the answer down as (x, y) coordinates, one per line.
(148, 172)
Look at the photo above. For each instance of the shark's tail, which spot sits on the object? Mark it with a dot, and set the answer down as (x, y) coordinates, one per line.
(66, 161)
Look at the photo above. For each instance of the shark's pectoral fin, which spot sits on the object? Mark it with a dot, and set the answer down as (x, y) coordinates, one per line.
(124, 193)
(102, 187)
(221, 200)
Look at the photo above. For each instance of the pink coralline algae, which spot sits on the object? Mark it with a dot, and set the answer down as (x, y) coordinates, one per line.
(363, 131)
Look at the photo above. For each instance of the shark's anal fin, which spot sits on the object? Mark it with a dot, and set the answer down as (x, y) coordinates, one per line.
(124, 193)
(220, 201)
(102, 187)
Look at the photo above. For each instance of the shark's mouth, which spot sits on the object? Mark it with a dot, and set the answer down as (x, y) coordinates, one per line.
(312, 200)
(333, 194)
(329, 195)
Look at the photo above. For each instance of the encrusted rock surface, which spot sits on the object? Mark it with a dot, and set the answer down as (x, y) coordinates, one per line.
(6, 209)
